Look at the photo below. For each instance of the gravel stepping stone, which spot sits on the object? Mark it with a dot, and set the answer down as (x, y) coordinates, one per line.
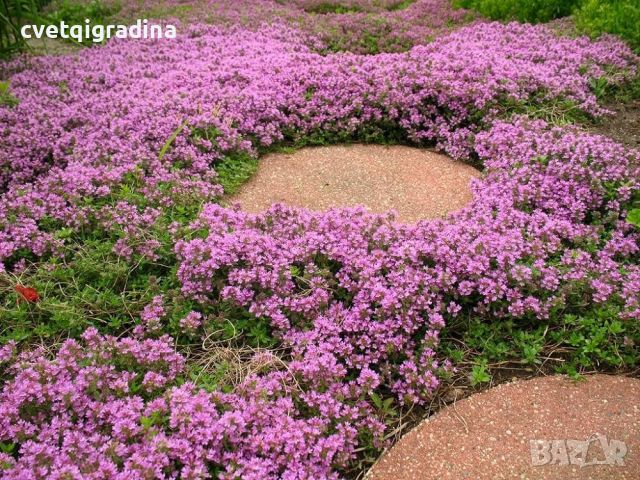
(415, 182)
(549, 428)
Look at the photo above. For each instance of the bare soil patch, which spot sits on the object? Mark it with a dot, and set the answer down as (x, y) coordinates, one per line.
(624, 125)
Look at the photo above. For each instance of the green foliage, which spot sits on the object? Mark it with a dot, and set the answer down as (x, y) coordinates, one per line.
(234, 170)
(384, 406)
(212, 379)
(532, 11)
(92, 287)
(8, 448)
(400, 5)
(74, 12)
(624, 93)
(329, 7)
(337, 7)
(619, 17)
(13, 14)
(633, 214)
(167, 11)
(479, 373)
(170, 140)
(599, 339)
(6, 99)
(633, 217)
(593, 339)
(234, 323)
(562, 111)
(592, 17)
(370, 42)
(557, 111)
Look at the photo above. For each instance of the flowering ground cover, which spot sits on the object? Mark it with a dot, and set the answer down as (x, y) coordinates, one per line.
(117, 259)
(367, 26)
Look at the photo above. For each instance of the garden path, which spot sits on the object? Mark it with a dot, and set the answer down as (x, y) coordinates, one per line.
(417, 183)
(488, 435)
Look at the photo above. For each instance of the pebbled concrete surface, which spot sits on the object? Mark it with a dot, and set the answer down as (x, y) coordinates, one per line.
(417, 183)
(488, 435)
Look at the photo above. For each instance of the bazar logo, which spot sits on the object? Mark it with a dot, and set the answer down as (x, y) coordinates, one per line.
(596, 450)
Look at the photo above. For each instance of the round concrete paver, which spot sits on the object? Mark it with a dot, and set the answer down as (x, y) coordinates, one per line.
(549, 428)
(417, 183)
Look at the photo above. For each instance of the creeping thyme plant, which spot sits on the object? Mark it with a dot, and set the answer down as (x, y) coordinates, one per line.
(149, 332)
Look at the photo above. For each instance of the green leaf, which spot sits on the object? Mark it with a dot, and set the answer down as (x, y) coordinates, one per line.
(146, 422)
(7, 447)
(5, 97)
(171, 139)
(377, 401)
(633, 217)
(479, 374)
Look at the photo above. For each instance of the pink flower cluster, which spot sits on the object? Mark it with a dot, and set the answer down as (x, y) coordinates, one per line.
(337, 288)
(86, 122)
(108, 408)
(378, 26)
(357, 300)
(365, 294)
(367, 27)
